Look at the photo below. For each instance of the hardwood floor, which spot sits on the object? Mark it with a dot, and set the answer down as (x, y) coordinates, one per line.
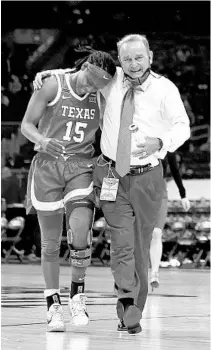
(176, 315)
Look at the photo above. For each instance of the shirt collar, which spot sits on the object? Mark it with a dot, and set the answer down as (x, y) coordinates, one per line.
(144, 86)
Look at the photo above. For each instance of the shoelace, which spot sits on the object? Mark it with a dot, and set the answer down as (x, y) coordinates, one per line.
(79, 307)
(56, 313)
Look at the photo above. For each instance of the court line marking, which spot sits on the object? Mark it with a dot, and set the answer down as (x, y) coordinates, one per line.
(113, 319)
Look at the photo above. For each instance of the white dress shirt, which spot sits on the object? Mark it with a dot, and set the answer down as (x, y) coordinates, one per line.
(159, 112)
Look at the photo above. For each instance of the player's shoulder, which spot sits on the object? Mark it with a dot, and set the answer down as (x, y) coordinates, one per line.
(50, 81)
(49, 89)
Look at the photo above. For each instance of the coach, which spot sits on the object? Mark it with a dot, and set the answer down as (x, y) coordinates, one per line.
(151, 102)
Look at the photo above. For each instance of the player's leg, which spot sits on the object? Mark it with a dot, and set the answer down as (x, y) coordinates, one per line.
(46, 197)
(79, 235)
(79, 219)
(51, 232)
(156, 246)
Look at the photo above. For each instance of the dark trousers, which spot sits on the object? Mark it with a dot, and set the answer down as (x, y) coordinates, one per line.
(132, 219)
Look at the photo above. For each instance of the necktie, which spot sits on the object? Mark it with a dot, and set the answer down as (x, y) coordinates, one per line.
(124, 137)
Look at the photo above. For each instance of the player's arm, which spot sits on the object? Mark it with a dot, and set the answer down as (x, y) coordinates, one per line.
(35, 109)
(40, 76)
(178, 180)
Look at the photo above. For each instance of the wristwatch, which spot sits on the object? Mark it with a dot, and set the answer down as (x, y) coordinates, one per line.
(160, 144)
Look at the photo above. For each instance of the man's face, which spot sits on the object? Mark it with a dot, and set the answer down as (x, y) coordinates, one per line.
(86, 83)
(134, 58)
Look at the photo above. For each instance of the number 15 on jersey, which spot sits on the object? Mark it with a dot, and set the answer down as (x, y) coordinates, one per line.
(78, 131)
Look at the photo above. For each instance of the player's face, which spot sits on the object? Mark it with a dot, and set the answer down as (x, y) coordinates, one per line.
(87, 84)
(134, 58)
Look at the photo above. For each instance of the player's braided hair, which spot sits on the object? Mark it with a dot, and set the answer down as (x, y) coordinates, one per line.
(99, 58)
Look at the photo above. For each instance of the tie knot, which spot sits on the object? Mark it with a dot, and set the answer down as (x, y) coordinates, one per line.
(134, 87)
(136, 83)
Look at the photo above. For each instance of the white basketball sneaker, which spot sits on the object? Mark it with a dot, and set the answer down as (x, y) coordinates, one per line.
(55, 319)
(77, 309)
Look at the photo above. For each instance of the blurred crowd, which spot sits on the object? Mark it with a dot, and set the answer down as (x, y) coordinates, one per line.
(184, 60)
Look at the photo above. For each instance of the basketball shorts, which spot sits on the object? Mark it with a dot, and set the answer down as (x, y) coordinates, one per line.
(52, 183)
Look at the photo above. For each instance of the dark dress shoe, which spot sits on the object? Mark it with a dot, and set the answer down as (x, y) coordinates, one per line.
(134, 329)
(131, 319)
(121, 326)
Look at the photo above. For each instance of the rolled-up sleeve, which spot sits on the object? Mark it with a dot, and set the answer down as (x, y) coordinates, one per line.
(175, 113)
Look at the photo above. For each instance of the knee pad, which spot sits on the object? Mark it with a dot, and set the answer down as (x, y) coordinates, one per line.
(81, 223)
(50, 250)
(80, 257)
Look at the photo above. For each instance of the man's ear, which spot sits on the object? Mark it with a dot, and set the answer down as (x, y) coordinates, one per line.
(150, 57)
(119, 59)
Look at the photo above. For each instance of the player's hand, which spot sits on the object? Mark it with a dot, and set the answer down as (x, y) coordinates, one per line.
(37, 83)
(53, 147)
(146, 149)
(185, 204)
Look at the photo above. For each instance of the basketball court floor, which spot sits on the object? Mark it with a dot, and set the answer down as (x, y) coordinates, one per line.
(176, 315)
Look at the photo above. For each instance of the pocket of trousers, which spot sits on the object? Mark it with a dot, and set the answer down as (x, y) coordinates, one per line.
(156, 185)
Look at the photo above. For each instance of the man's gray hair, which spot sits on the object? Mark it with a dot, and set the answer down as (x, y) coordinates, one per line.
(133, 37)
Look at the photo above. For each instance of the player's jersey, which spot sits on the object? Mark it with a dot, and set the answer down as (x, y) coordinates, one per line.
(71, 119)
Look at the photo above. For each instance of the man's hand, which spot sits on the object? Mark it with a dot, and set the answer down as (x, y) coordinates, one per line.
(53, 147)
(37, 83)
(185, 204)
(146, 149)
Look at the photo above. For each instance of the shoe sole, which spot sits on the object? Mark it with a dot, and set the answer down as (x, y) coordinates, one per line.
(79, 325)
(123, 329)
(135, 329)
(132, 316)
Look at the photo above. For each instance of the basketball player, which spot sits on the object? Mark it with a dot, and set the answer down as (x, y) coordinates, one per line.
(156, 242)
(67, 111)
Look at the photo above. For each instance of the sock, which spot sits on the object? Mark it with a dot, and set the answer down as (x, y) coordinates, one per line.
(55, 298)
(126, 301)
(76, 288)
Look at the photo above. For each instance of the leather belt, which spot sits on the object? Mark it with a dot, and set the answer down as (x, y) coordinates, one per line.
(134, 169)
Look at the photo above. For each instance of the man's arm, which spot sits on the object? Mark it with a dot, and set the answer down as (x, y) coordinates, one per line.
(179, 132)
(175, 112)
(176, 173)
(40, 76)
(102, 104)
(178, 180)
(36, 107)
